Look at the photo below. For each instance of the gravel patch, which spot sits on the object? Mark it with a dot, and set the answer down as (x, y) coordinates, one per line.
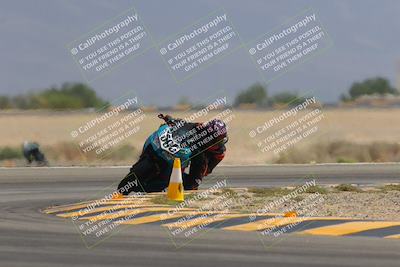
(372, 203)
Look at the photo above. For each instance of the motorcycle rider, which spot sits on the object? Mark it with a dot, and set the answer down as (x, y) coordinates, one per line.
(151, 173)
(32, 153)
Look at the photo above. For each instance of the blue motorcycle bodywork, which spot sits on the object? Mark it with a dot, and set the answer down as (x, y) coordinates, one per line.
(165, 146)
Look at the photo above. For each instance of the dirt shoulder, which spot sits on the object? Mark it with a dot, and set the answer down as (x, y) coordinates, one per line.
(348, 201)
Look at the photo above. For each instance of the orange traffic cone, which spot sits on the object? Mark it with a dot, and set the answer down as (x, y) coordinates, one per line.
(175, 188)
(117, 196)
(290, 214)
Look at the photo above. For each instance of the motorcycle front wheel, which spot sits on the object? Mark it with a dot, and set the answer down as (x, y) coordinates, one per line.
(138, 176)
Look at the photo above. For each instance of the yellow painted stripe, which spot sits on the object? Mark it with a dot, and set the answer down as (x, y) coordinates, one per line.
(393, 236)
(265, 224)
(83, 212)
(126, 213)
(153, 218)
(67, 208)
(127, 201)
(129, 198)
(329, 218)
(191, 214)
(277, 222)
(165, 216)
(203, 220)
(121, 213)
(349, 228)
(82, 205)
(186, 192)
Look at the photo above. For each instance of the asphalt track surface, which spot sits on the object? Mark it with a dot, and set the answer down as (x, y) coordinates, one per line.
(31, 238)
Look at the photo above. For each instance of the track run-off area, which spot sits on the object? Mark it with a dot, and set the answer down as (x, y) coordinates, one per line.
(42, 210)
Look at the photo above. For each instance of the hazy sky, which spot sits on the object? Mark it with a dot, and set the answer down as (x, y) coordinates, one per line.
(34, 55)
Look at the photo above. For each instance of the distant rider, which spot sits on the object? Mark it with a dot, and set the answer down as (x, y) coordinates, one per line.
(32, 153)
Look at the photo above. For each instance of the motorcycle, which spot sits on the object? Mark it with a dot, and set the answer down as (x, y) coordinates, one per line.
(32, 153)
(157, 158)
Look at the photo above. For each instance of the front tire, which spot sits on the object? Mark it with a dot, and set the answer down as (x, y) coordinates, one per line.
(138, 176)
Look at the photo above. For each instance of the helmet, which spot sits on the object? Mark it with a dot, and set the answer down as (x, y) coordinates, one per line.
(218, 129)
